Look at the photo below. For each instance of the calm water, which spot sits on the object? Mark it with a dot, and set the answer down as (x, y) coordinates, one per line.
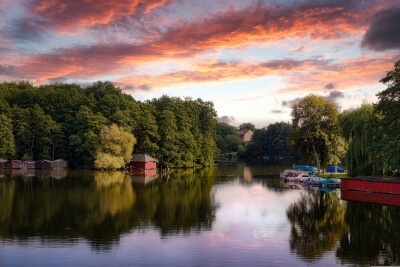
(229, 216)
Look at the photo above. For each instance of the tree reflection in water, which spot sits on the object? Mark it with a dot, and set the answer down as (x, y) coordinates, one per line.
(101, 206)
(373, 235)
(317, 223)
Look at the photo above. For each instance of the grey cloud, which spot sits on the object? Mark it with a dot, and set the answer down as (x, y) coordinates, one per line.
(329, 86)
(384, 31)
(226, 119)
(334, 95)
(8, 70)
(290, 103)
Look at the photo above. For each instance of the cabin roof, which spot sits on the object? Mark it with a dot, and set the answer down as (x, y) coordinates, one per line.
(142, 158)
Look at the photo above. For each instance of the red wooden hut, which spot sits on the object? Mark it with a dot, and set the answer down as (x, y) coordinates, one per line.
(13, 164)
(143, 161)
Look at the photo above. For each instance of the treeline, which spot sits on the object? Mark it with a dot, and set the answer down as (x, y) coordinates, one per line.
(372, 132)
(367, 137)
(99, 126)
(270, 141)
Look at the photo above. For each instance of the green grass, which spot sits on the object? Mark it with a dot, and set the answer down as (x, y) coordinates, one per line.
(334, 175)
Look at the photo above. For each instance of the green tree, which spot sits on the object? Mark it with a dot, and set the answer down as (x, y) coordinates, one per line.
(84, 142)
(389, 108)
(227, 139)
(358, 128)
(315, 129)
(115, 148)
(168, 152)
(247, 126)
(34, 132)
(146, 131)
(7, 146)
(208, 125)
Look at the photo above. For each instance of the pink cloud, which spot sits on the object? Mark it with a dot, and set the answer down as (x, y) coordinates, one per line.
(255, 24)
(68, 15)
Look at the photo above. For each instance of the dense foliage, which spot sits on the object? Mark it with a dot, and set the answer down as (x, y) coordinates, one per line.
(315, 132)
(97, 126)
(356, 128)
(271, 142)
(372, 132)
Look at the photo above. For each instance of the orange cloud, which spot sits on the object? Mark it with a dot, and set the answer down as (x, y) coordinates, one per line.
(233, 29)
(75, 13)
(222, 71)
(345, 75)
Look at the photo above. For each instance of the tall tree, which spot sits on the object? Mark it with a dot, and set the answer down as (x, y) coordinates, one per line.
(247, 126)
(169, 151)
(84, 142)
(146, 131)
(389, 108)
(7, 146)
(315, 128)
(115, 148)
(358, 129)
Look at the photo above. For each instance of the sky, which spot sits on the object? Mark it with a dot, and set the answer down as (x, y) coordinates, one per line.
(252, 59)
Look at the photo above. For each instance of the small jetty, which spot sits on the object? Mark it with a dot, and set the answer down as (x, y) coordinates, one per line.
(379, 190)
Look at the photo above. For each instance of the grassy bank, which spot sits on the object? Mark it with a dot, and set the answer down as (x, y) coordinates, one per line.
(335, 175)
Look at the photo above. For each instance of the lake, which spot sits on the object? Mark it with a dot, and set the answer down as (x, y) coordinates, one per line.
(239, 215)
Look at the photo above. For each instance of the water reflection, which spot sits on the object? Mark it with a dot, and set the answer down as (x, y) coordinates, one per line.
(234, 215)
(317, 223)
(373, 235)
(101, 206)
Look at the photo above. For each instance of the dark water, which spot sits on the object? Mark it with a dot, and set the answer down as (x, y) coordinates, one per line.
(227, 216)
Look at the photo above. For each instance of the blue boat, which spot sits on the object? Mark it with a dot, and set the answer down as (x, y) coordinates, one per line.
(330, 183)
(322, 183)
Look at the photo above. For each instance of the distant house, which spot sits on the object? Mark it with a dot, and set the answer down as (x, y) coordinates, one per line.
(143, 161)
(245, 135)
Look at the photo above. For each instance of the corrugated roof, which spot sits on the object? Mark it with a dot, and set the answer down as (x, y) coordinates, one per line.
(142, 158)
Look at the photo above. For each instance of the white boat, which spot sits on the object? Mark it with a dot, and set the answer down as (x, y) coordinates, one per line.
(294, 176)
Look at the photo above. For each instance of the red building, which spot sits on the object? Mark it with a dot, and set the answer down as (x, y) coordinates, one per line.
(13, 164)
(143, 162)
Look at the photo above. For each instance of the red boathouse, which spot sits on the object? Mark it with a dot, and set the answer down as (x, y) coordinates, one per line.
(386, 185)
(143, 161)
(380, 190)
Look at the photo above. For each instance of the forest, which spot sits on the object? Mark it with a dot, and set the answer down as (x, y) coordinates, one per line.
(99, 127)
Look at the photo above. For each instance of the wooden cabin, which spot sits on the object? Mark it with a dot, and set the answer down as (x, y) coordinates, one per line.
(13, 164)
(2, 161)
(43, 164)
(59, 163)
(28, 164)
(143, 161)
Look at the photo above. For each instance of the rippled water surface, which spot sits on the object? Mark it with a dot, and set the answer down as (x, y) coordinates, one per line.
(228, 216)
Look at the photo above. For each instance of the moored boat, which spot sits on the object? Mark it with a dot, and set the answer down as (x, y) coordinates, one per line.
(330, 183)
(294, 176)
(323, 183)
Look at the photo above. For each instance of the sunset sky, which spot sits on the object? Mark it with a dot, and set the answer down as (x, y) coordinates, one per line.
(252, 59)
